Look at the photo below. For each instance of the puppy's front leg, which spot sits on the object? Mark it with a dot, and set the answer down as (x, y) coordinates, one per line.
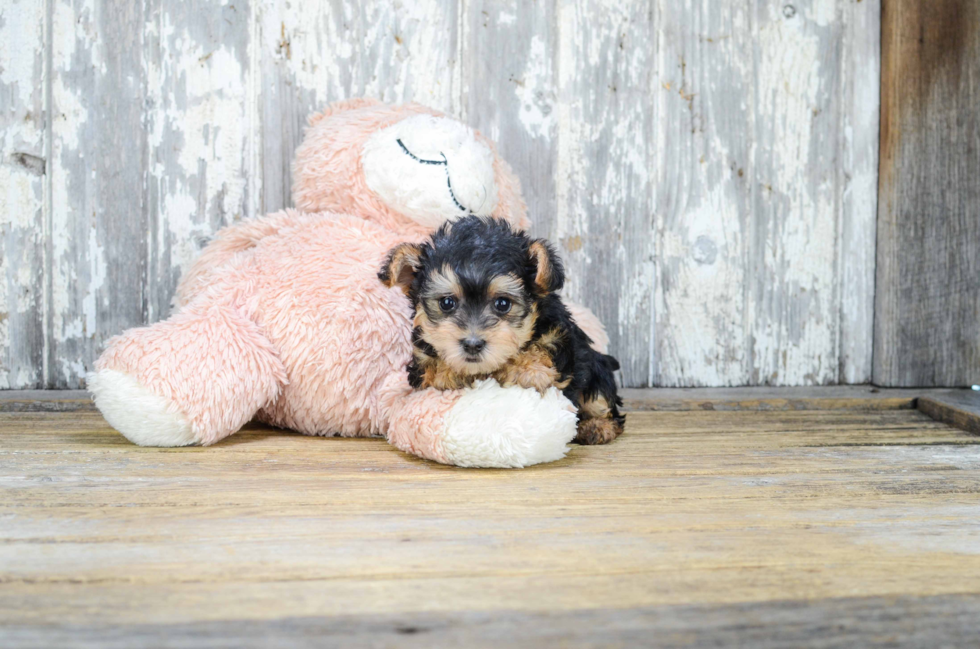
(440, 376)
(529, 369)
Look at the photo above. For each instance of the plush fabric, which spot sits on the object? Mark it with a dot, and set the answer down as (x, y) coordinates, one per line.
(283, 317)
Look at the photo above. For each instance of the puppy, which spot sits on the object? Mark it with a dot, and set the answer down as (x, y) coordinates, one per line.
(486, 307)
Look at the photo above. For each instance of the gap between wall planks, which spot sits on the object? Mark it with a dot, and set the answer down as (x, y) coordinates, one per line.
(708, 169)
(927, 329)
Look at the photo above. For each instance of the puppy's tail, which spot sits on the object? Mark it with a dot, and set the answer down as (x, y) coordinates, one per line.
(610, 362)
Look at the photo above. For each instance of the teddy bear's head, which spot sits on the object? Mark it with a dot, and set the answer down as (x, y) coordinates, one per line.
(408, 168)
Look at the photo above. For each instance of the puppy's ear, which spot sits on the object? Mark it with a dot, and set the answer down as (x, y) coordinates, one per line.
(400, 266)
(549, 274)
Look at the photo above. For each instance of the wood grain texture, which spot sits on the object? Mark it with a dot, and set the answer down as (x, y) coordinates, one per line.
(927, 308)
(46, 401)
(96, 239)
(509, 72)
(856, 397)
(960, 408)
(707, 169)
(765, 182)
(605, 215)
(195, 180)
(793, 519)
(311, 53)
(917, 622)
(23, 167)
(844, 397)
(857, 176)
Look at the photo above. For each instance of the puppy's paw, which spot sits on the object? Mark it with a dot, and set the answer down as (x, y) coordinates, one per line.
(440, 376)
(536, 378)
(597, 431)
(531, 369)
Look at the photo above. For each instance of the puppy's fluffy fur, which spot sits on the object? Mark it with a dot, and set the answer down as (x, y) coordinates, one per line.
(486, 306)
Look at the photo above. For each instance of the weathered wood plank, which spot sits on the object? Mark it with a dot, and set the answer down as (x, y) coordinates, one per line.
(510, 85)
(307, 57)
(149, 139)
(22, 184)
(629, 124)
(97, 235)
(196, 119)
(860, 80)
(701, 98)
(927, 307)
(914, 622)
(754, 159)
(604, 220)
(86, 432)
(45, 400)
(311, 54)
(960, 408)
(775, 509)
(856, 397)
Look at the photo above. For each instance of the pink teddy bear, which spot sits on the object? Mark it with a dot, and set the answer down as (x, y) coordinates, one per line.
(283, 317)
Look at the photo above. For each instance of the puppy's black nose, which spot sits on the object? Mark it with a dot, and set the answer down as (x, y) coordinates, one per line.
(473, 345)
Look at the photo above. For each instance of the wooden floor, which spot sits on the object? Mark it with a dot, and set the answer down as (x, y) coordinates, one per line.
(729, 528)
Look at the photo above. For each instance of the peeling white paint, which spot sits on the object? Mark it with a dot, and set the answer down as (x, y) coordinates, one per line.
(536, 112)
(699, 305)
(77, 54)
(760, 189)
(18, 200)
(21, 189)
(603, 185)
(315, 53)
(97, 275)
(201, 139)
(20, 39)
(70, 117)
(823, 12)
(723, 229)
(795, 328)
(860, 83)
(419, 66)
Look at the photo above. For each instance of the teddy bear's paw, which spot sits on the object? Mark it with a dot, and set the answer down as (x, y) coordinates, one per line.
(143, 417)
(511, 427)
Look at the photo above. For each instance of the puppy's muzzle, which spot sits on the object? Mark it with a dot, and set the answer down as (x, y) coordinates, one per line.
(473, 345)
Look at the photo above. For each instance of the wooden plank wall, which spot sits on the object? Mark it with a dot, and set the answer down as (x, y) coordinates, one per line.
(928, 298)
(708, 168)
(22, 194)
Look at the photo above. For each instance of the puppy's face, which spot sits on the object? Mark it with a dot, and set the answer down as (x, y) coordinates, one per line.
(475, 318)
(475, 287)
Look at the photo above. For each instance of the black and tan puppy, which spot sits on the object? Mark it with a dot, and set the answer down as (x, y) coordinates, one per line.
(486, 306)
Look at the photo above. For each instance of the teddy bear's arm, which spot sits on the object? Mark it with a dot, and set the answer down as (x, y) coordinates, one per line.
(483, 426)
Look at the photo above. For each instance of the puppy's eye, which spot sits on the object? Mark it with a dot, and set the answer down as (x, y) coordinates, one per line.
(447, 304)
(501, 305)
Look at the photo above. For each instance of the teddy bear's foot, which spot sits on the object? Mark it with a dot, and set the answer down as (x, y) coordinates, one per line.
(511, 427)
(143, 417)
